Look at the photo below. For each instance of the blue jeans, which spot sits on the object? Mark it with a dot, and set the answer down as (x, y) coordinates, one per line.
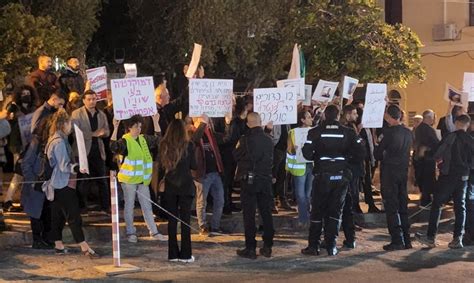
(446, 188)
(303, 186)
(129, 194)
(211, 183)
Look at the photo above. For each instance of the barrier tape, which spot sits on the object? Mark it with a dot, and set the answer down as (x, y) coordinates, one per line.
(41, 182)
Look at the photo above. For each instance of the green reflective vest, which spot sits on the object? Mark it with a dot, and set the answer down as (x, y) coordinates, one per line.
(137, 165)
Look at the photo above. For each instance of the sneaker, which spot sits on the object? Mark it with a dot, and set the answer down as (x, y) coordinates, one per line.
(246, 253)
(393, 247)
(173, 260)
(61, 251)
(217, 232)
(189, 260)
(456, 243)
(159, 237)
(332, 251)
(91, 254)
(310, 251)
(203, 231)
(349, 244)
(132, 238)
(425, 240)
(42, 245)
(266, 251)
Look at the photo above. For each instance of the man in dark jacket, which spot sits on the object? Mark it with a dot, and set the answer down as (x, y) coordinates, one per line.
(254, 156)
(71, 79)
(331, 146)
(426, 142)
(394, 153)
(455, 156)
(43, 80)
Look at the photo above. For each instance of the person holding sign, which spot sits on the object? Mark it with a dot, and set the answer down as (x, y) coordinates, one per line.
(394, 153)
(65, 206)
(93, 123)
(136, 170)
(331, 146)
(302, 172)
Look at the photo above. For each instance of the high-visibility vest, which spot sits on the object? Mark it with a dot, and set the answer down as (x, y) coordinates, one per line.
(137, 165)
(295, 168)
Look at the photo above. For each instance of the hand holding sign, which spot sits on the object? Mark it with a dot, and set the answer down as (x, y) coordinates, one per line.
(374, 108)
(276, 104)
(133, 96)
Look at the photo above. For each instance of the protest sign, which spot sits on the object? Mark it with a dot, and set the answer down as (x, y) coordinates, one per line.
(374, 108)
(133, 96)
(301, 136)
(24, 123)
(456, 96)
(349, 87)
(308, 91)
(276, 104)
(324, 91)
(210, 96)
(194, 60)
(130, 70)
(295, 68)
(468, 85)
(297, 83)
(81, 147)
(98, 80)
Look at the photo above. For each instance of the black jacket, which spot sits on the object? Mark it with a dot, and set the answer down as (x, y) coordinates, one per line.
(44, 82)
(333, 147)
(394, 149)
(254, 153)
(71, 81)
(459, 158)
(180, 181)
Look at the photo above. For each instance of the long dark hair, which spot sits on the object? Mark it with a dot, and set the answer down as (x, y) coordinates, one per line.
(173, 145)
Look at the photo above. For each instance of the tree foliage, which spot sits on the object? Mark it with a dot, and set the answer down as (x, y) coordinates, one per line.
(24, 37)
(253, 39)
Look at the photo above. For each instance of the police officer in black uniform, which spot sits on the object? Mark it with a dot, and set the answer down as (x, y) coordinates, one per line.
(254, 156)
(394, 153)
(330, 146)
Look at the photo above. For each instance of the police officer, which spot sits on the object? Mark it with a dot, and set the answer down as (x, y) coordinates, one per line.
(394, 153)
(330, 146)
(254, 156)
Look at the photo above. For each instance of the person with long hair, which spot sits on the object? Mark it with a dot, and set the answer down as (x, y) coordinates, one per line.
(177, 158)
(62, 185)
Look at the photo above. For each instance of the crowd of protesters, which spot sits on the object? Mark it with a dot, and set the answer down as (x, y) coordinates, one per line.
(188, 165)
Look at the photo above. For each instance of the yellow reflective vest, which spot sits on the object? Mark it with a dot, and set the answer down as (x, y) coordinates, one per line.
(137, 165)
(292, 166)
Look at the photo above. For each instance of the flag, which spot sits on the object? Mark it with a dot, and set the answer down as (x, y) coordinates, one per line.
(298, 64)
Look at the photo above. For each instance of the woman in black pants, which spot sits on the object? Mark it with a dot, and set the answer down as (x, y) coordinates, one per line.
(177, 158)
(61, 186)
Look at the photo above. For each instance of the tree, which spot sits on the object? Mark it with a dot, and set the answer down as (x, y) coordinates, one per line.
(24, 37)
(349, 38)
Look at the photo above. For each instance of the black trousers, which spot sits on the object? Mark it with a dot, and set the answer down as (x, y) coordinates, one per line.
(395, 198)
(426, 179)
(354, 188)
(470, 209)
(368, 197)
(65, 207)
(41, 227)
(229, 174)
(279, 172)
(258, 195)
(96, 169)
(348, 219)
(179, 206)
(328, 197)
(449, 187)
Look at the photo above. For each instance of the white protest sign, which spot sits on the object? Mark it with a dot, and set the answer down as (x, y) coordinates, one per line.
(308, 91)
(468, 85)
(298, 83)
(130, 70)
(24, 123)
(210, 96)
(374, 108)
(301, 136)
(276, 104)
(133, 96)
(98, 80)
(81, 147)
(194, 60)
(349, 87)
(325, 90)
(456, 96)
